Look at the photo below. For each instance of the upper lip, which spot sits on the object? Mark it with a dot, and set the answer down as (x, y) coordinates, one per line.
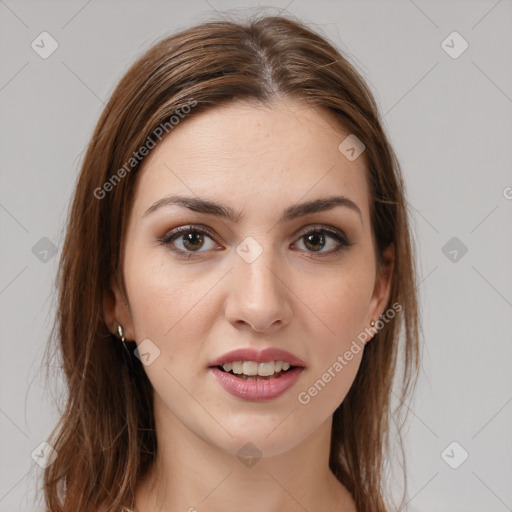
(262, 356)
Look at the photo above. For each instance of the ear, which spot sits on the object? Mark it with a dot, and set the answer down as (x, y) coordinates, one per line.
(116, 312)
(383, 283)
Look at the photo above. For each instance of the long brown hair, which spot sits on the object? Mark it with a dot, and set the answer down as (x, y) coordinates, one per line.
(106, 438)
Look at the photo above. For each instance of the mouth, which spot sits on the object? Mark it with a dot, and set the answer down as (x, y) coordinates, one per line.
(253, 371)
(240, 379)
(257, 376)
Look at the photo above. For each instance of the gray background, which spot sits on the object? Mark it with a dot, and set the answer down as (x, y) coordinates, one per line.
(450, 122)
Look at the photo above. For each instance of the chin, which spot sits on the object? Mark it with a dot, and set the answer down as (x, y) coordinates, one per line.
(264, 439)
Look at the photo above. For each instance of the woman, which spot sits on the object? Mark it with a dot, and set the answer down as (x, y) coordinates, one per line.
(236, 273)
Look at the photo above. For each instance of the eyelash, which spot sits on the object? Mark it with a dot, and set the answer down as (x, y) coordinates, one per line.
(168, 238)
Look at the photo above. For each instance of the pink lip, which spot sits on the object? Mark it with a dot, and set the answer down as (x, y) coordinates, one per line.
(264, 356)
(257, 390)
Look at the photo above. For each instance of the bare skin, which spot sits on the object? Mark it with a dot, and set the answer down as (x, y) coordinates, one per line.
(298, 295)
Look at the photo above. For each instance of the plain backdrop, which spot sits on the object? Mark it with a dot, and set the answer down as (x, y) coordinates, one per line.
(448, 114)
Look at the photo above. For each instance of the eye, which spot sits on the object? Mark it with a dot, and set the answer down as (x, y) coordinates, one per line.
(316, 239)
(189, 239)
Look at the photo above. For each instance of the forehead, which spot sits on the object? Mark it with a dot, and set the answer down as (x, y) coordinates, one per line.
(245, 153)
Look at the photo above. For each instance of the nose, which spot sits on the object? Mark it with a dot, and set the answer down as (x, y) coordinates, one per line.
(257, 295)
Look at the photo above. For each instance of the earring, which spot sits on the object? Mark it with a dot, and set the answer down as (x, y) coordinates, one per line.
(121, 335)
(372, 323)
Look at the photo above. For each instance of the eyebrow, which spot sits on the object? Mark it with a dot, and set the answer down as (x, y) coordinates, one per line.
(197, 204)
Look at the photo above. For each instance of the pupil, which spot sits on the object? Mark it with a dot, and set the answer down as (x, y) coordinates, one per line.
(189, 239)
(316, 237)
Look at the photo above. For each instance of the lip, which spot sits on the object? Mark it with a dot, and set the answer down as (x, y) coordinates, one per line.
(263, 356)
(257, 391)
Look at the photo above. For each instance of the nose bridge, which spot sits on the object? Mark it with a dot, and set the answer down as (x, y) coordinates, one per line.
(257, 295)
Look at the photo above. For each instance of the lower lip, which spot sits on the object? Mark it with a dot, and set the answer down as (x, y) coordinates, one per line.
(257, 390)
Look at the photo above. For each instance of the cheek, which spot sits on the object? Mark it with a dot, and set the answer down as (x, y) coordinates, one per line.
(171, 304)
(152, 284)
(161, 297)
(336, 352)
(342, 304)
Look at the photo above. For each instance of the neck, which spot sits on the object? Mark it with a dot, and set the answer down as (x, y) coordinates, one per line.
(191, 474)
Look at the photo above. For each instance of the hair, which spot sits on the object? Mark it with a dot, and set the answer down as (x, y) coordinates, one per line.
(105, 437)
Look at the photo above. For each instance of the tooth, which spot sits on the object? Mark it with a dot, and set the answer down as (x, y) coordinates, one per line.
(250, 368)
(266, 369)
(237, 367)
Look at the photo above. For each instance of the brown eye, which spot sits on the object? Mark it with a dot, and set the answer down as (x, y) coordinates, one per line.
(317, 239)
(189, 240)
(193, 240)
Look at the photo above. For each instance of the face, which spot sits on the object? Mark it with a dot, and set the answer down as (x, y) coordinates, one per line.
(269, 275)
